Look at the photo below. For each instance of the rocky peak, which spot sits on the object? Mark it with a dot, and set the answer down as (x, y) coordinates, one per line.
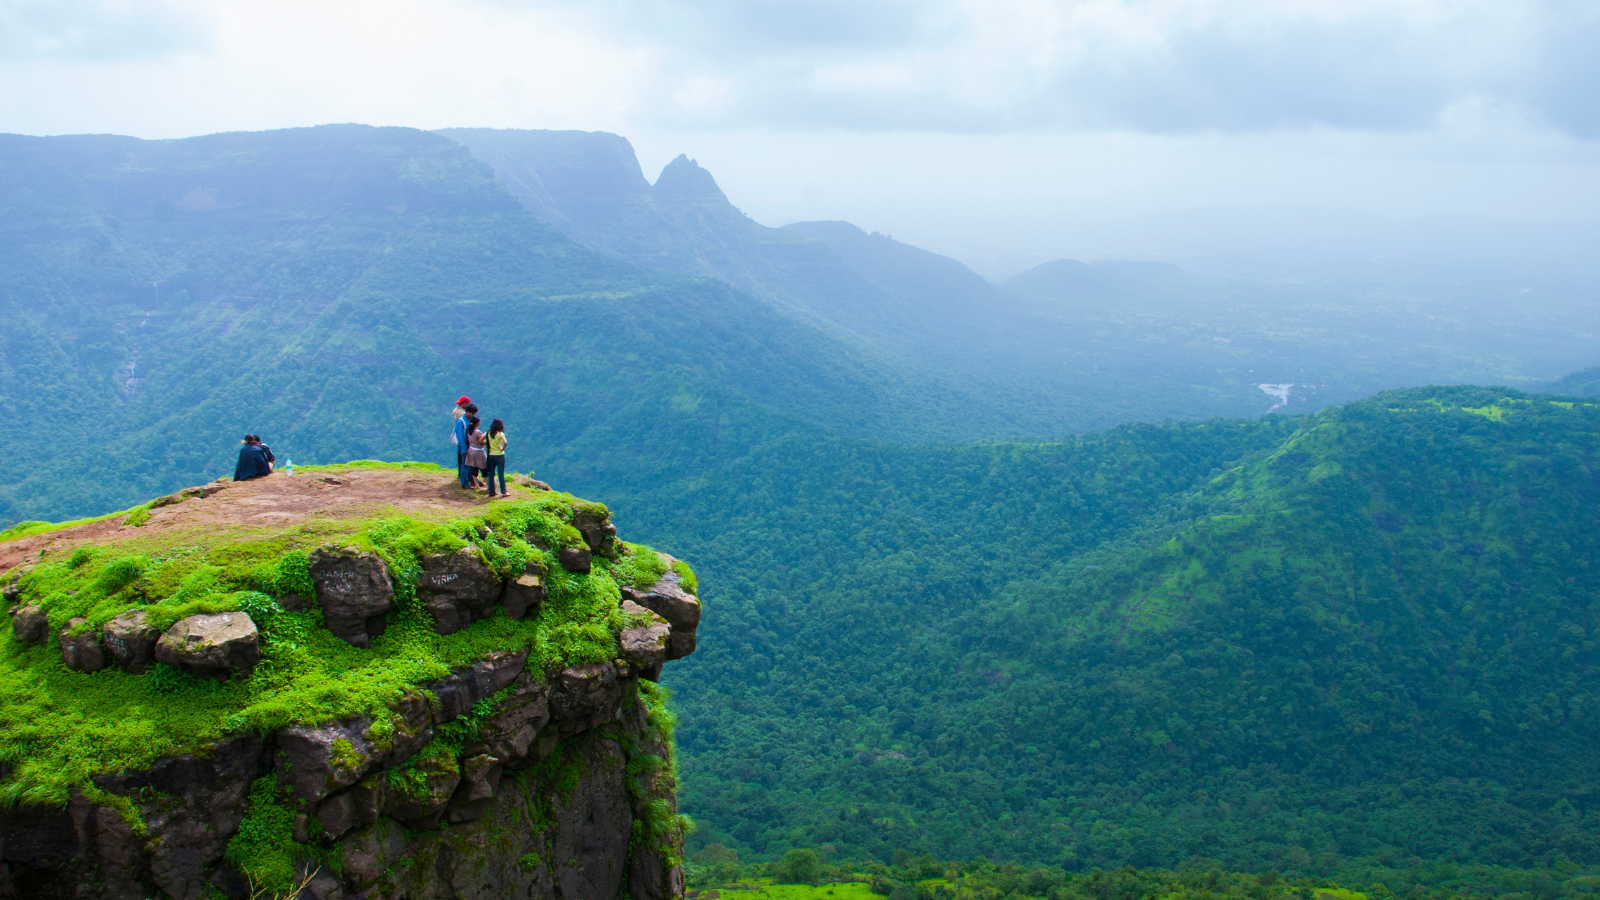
(684, 181)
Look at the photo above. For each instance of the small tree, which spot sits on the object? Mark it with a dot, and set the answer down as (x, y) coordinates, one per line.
(800, 867)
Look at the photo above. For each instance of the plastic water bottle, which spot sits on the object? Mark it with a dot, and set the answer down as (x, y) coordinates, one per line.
(288, 466)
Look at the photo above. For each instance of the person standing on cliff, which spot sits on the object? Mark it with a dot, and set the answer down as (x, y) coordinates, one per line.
(477, 456)
(459, 437)
(496, 449)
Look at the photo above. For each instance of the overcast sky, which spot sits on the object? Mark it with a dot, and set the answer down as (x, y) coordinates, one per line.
(960, 125)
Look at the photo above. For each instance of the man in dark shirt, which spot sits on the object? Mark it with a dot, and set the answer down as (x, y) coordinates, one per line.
(272, 461)
(252, 462)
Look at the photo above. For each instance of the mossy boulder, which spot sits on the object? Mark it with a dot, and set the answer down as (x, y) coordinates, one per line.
(131, 641)
(644, 647)
(458, 589)
(669, 599)
(593, 521)
(480, 778)
(80, 647)
(525, 593)
(576, 559)
(355, 592)
(509, 733)
(216, 646)
(30, 624)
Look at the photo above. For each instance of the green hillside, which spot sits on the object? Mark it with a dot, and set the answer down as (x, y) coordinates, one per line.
(1295, 644)
(335, 289)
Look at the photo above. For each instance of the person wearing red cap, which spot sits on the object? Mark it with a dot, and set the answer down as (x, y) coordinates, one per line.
(459, 437)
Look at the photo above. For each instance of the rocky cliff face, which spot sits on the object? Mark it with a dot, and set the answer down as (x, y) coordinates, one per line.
(510, 776)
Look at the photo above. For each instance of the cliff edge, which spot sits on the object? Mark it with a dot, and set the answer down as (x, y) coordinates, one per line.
(358, 681)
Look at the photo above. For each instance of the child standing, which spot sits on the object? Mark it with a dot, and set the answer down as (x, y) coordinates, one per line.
(476, 458)
(497, 456)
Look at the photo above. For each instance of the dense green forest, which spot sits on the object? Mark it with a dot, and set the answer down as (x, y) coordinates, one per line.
(1303, 644)
(1355, 644)
(906, 876)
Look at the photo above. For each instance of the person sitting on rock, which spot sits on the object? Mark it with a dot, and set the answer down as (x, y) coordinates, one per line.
(252, 462)
(272, 461)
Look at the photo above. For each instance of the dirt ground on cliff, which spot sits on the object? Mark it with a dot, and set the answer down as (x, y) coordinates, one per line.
(276, 500)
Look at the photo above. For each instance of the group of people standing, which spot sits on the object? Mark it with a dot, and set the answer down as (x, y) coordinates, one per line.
(255, 459)
(480, 455)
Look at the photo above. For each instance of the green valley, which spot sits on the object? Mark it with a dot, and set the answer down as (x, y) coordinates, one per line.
(1364, 634)
(968, 596)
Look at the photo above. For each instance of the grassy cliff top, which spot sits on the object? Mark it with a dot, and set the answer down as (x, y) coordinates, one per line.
(244, 547)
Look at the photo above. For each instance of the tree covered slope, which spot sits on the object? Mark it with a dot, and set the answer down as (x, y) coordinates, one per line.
(335, 289)
(1366, 633)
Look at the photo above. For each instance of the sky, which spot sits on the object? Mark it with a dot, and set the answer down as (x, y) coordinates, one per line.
(1000, 131)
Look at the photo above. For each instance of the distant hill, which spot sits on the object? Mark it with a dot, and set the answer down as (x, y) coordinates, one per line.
(887, 299)
(1068, 281)
(335, 289)
(1584, 383)
(1067, 346)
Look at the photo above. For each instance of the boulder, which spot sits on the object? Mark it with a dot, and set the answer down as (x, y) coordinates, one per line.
(458, 589)
(510, 731)
(420, 802)
(214, 646)
(644, 647)
(31, 624)
(82, 652)
(681, 609)
(315, 761)
(456, 694)
(354, 590)
(131, 641)
(367, 798)
(593, 521)
(526, 593)
(337, 814)
(480, 778)
(584, 697)
(409, 728)
(574, 559)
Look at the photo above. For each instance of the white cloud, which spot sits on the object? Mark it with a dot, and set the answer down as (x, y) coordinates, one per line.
(101, 29)
(924, 117)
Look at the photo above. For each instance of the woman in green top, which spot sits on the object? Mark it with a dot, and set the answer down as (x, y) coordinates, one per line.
(497, 456)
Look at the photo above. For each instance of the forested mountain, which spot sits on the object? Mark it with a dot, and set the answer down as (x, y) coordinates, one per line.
(335, 289)
(590, 186)
(1584, 384)
(1362, 636)
(1078, 345)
